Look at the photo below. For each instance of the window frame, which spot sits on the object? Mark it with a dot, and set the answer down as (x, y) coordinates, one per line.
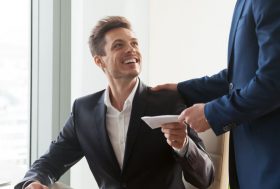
(50, 73)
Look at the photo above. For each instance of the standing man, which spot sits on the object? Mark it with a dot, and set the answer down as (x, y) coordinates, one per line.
(106, 127)
(245, 97)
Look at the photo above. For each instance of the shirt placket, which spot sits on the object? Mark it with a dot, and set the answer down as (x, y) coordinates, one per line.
(121, 134)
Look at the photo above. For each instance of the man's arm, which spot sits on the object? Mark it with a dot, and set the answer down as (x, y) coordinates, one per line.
(204, 89)
(196, 164)
(261, 94)
(201, 89)
(63, 153)
(198, 168)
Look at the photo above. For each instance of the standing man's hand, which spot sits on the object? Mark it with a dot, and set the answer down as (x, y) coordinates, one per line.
(176, 134)
(167, 86)
(194, 116)
(36, 185)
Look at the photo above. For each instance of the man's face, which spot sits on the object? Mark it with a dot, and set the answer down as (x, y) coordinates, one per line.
(123, 58)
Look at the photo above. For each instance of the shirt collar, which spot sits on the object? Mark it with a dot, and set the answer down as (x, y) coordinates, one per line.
(129, 99)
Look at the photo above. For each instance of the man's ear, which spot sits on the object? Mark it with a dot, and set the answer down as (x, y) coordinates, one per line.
(99, 62)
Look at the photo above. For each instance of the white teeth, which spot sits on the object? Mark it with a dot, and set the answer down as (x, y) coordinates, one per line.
(130, 61)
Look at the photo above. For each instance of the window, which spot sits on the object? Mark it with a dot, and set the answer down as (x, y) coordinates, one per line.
(14, 89)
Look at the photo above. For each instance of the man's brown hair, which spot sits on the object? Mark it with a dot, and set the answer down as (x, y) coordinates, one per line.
(96, 39)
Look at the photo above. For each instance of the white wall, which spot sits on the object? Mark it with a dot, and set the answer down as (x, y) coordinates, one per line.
(180, 39)
(188, 38)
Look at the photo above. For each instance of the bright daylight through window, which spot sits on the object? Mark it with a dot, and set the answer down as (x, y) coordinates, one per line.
(14, 89)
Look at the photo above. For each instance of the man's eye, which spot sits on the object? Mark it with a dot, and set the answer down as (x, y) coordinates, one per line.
(135, 44)
(118, 45)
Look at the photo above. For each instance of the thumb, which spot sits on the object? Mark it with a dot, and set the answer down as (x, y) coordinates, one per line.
(183, 115)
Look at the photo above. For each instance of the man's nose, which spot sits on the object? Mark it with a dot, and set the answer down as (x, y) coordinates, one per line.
(130, 48)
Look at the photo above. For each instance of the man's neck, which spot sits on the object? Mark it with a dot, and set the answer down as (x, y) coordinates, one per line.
(119, 91)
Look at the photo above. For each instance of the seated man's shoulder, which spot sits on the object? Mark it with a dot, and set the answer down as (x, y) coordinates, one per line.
(169, 102)
(164, 94)
(91, 98)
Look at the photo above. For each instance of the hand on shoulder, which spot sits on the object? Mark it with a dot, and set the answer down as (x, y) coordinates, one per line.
(167, 86)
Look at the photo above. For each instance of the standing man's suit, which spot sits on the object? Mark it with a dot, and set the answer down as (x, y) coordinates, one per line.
(245, 98)
(149, 162)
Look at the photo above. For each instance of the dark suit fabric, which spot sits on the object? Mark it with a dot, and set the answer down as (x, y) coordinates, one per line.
(149, 162)
(249, 91)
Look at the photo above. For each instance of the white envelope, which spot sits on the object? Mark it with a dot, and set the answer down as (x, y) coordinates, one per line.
(156, 121)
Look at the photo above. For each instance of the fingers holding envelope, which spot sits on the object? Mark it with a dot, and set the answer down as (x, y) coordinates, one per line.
(176, 134)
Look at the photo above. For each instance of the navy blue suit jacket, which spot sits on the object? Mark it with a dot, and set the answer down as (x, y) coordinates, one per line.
(149, 162)
(245, 97)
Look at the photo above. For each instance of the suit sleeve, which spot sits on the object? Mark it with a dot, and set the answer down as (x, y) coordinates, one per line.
(198, 168)
(204, 89)
(64, 152)
(261, 95)
(196, 165)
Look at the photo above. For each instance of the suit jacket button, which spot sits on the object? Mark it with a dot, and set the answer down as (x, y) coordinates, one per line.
(229, 126)
(230, 86)
(226, 128)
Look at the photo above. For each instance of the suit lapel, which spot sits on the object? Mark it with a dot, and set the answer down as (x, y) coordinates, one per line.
(236, 15)
(104, 140)
(138, 108)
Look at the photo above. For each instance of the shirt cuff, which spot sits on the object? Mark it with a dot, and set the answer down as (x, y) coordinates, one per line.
(182, 151)
(27, 183)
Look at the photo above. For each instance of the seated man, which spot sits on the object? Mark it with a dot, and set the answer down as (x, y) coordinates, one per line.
(106, 127)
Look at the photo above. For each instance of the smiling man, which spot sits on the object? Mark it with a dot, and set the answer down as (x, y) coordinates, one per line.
(106, 127)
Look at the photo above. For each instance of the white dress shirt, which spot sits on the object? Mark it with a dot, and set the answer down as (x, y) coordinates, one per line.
(117, 123)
